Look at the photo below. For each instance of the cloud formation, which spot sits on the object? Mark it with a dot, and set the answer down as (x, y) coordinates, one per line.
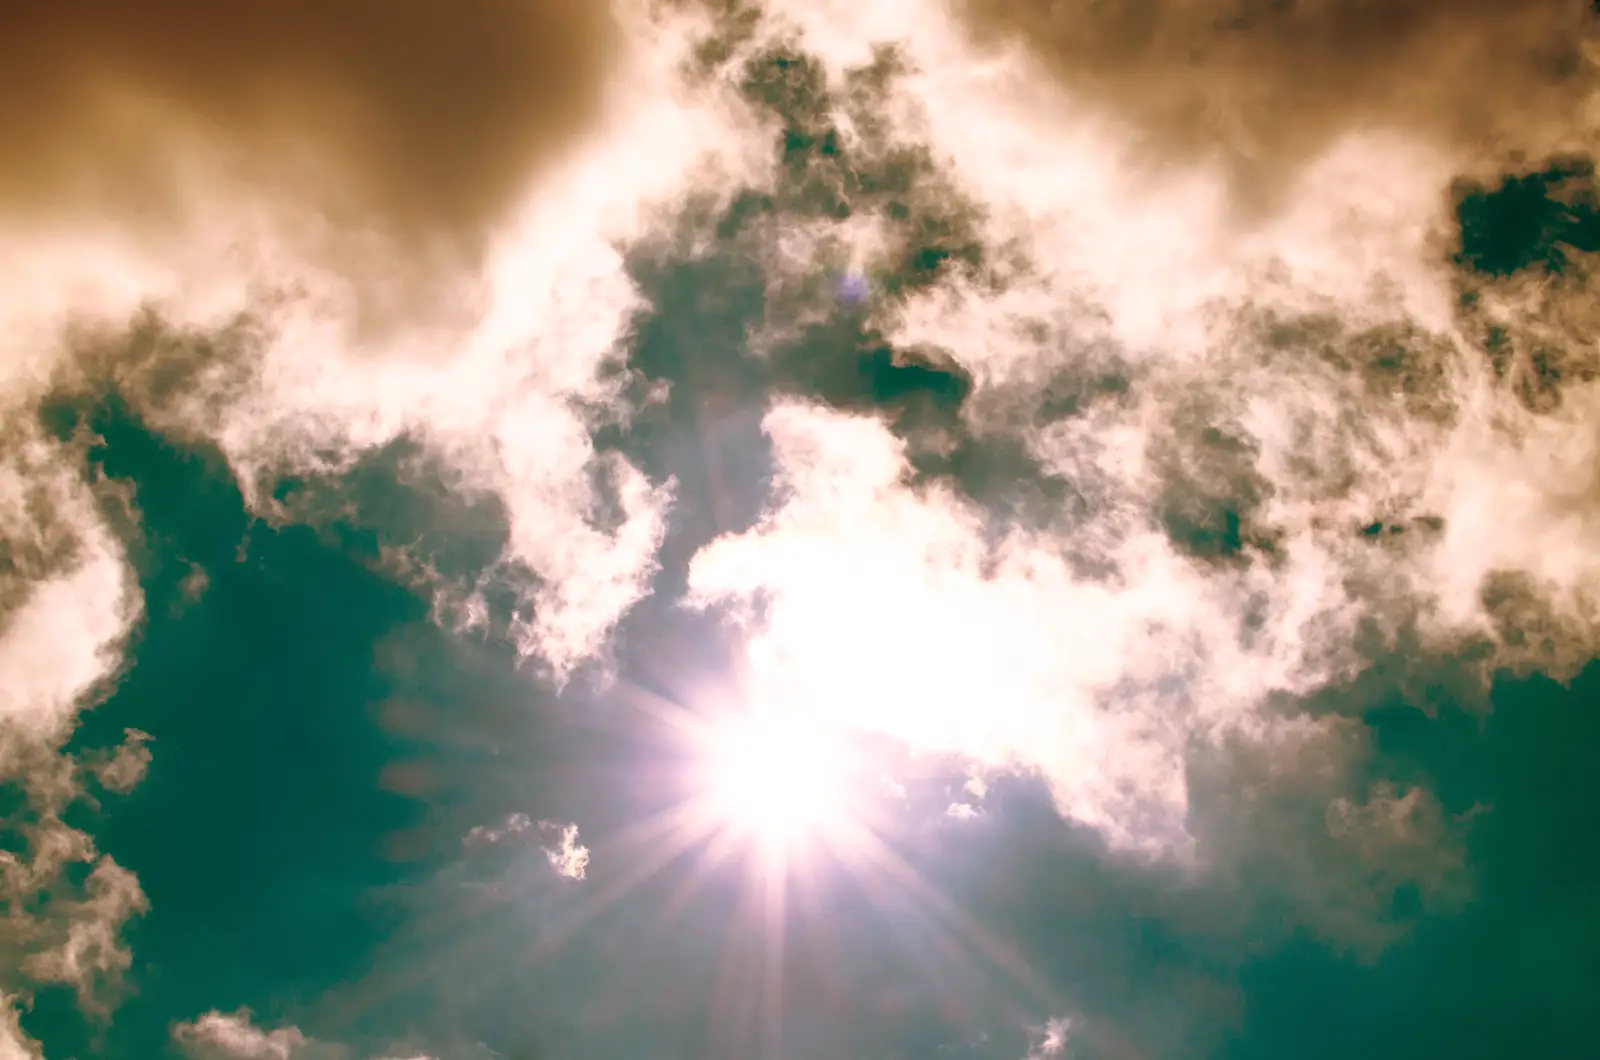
(566, 854)
(416, 120)
(1265, 88)
(1086, 481)
(235, 1036)
(1104, 476)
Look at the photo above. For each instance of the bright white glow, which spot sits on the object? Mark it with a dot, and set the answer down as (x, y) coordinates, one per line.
(774, 777)
(788, 792)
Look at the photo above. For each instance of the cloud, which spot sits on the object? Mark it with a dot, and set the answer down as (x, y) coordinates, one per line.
(516, 824)
(235, 1036)
(67, 606)
(567, 856)
(57, 929)
(66, 598)
(1266, 88)
(238, 332)
(1053, 1038)
(1097, 480)
(123, 771)
(92, 951)
(1269, 449)
(14, 1042)
(902, 608)
(409, 120)
(218, 1036)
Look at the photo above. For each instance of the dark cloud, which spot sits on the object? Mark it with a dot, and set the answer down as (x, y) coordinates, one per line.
(1263, 85)
(417, 119)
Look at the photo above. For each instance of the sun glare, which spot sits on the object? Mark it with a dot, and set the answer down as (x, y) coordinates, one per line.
(797, 803)
(773, 777)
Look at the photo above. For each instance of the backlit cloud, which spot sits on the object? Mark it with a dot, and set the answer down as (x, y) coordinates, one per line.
(1107, 402)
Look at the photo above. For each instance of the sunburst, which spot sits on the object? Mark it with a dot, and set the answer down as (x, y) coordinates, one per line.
(781, 798)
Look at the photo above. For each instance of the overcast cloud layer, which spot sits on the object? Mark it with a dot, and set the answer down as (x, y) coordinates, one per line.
(1163, 433)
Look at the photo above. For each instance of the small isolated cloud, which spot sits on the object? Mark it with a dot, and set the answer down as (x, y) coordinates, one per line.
(123, 771)
(1052, 1038)
(516, 824)
(566, 855)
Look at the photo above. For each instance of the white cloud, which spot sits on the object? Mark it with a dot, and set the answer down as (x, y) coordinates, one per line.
(67, 602)
(14, 1043)
(516, 824)
(1053, 1038)
(566, 855)
(72, 600)
(901, 610)
(235, 1036)
(1319, 344)
(506, 388)
(507, 393)
(219, 1036)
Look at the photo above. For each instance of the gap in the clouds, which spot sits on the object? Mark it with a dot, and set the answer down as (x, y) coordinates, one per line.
(322, 749)
(1533, 220)
(278, 800)
(731, 325)
(1527, 244)
(1511, 973)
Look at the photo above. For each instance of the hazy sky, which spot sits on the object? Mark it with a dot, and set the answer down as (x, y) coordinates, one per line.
(846, 530)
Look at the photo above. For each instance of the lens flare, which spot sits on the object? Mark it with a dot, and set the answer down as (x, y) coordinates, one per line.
(793, 802)
(774, 778)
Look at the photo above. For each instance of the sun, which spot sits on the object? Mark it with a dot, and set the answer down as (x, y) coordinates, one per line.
(797, 802)
(773, 777)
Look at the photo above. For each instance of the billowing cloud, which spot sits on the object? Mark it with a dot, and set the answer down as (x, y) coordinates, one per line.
(237, 330)
(566, 854)
(1155, 474)
(233, 1036)
(297, 190)
(973, 396)
(1265, 88)
(906, 611)
(66, 598)
(67, 605)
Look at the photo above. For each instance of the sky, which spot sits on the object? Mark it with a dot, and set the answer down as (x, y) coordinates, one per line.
(846, 530)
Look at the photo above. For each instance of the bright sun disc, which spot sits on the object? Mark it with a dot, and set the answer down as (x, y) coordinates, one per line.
(774, 777)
